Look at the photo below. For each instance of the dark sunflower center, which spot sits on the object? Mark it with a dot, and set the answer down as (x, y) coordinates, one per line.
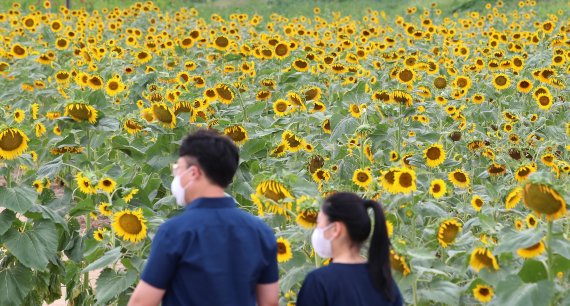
(460, 177)
(281, 107)
(130, 224)
(113, 85)
(224, 92)
(450, 233)
(281, 248)
(501, 80)
(405, 180)
(362, 177)
(406, 75)
(433, 153)
(222, 42)
(436, 188)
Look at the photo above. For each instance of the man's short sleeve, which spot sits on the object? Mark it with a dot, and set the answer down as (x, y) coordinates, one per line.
(161, 264)
(270, 274)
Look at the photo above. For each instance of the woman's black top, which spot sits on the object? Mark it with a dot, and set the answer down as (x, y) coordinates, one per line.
(343, 285)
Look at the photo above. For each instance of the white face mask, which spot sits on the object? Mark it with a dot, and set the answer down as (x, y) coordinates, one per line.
(178, 191)
(322, 246)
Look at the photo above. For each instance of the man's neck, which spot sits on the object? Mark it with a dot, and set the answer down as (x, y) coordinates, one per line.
(209, 192)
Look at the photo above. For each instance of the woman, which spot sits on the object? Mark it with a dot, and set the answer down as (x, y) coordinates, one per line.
(343, 225)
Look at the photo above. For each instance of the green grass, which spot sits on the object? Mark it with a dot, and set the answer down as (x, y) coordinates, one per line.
(289, 8)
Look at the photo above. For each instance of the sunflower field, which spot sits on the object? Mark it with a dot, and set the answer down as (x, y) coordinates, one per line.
(459, 125)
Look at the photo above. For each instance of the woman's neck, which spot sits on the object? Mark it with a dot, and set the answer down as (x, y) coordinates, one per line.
(348, 255)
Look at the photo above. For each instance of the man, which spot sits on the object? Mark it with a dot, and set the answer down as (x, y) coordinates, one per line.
(213, 253)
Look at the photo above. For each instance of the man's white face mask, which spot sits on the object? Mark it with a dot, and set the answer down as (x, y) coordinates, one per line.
(177, 190)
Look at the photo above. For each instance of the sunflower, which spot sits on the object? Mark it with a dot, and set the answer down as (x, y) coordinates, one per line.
(501, 81)
(548, 159)
(434, 155)
(284, 252)
(388, 180)
(13, 142)
(80, 112)
(368, 152)
(127, 198)
(281, 107)
(406, 76)
(483, 293)
(142, 57)
(114, 86)
(354, 110)
(447, 232)
(312, 93)
(263, 95)
(405, 181)
(532, 251)
(19, 115)
(326, 126)
(389, 228)
(130, 225)
(62, 77)
(524, 86)
(300, 65)
(440, 82)
(544, 101)
(221, 43)
(224, 93)
(531, 221)
(362, 178)
(523, 173)
(513, 198)
(307, 218)
(459, 178)
(398, 263)
(437, 188)
(84, 184)
(477, 203)
(18, 51)
(107, 185)
(237, 133)
(394, 156)
(401, 97)
(496, 169)
(292, 142)
(164, 115)
(277, 193)
(279, 151)
(95, 82)
(544, 199)
(518, 225)
(483, 258)
(99, 234)
(132, 126)
(281, 50)
(38, 185)
(105, 209)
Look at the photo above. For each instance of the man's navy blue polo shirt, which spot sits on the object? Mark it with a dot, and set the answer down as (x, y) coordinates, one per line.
(212, 254)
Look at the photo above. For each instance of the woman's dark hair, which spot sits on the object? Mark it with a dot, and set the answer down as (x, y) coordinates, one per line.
(216, 155)
(352, 210)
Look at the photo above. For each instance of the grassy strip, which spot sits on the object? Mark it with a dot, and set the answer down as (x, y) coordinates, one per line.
(290, 8)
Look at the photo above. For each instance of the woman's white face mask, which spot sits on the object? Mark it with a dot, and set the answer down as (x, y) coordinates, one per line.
(177, 190)
(321, 245)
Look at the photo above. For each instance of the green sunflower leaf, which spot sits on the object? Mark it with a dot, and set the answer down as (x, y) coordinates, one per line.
(15, 284)
(18, 199)
(111, 284)
(33, 247)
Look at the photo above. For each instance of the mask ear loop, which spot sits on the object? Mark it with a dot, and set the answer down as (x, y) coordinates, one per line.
(184, 173)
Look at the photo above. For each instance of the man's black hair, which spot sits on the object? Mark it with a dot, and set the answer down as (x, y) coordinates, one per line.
(216, 155)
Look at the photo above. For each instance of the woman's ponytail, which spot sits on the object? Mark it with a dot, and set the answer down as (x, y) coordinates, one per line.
(379, 253)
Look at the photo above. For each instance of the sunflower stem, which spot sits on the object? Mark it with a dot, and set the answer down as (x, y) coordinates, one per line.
(549, 251)
(415, 291)
(399, 142)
